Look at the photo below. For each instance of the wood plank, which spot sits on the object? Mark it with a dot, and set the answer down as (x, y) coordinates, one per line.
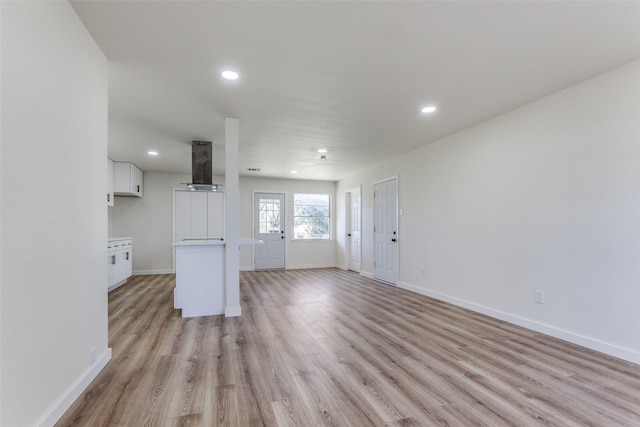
(325, 347)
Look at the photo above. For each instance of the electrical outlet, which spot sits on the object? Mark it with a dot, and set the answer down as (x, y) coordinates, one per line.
(539, 297)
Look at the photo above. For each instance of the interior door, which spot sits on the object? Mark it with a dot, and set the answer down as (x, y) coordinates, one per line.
(385, 231)
(269, 223)
(354, 231)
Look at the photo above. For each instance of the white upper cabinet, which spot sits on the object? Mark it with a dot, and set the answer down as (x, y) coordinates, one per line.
(198, 214)
(110, 182)
(127, 179)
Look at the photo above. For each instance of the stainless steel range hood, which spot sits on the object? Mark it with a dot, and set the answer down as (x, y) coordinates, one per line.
(202, 167)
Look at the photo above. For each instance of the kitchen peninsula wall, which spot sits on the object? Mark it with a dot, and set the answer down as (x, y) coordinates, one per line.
(149, 221)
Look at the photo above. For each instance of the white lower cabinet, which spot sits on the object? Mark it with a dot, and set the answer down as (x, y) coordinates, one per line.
(119, 262)
(110, 182)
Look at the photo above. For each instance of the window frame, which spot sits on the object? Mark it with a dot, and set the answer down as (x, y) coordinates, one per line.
(328, 218)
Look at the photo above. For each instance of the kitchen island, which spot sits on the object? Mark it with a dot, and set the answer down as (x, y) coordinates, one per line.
(201, 287)
(200, 277)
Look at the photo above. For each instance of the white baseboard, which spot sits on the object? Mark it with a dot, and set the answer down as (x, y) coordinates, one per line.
(75, 391)
(572, 337)
(342, 267)
(233, 311)
(366, 274)
(151, 272)
(301, 266)
(116, 286)
(294, 267)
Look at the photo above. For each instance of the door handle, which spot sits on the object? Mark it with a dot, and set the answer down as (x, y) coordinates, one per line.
(349, 235)
(393, 240)
(282, 237)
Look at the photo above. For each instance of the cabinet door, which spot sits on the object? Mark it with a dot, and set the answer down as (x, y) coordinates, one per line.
(110, 182)
(127, 260)
(122, 177)
(127, 179)
(190, 215)
(111, 267)
(215, 215)
(117, 262)
(136, 180)
(198, 214)
(181, 215)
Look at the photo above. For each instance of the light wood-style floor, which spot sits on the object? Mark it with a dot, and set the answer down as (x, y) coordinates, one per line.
(328, 347)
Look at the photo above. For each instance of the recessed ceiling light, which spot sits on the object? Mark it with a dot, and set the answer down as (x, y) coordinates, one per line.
(230, 75)
(429, 109)
(294, 171)
(152, 153)
(322, 150)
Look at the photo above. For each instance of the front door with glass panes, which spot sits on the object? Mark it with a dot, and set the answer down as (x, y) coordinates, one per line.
(269, 226)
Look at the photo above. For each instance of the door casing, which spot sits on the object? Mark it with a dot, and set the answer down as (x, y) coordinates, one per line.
(353, 230)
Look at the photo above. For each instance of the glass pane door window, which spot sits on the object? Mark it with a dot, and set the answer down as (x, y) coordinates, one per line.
(269, 216)
(269, 227)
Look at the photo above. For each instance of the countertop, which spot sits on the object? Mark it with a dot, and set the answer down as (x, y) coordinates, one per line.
(203, 241)
(200, 242)
(250, 241)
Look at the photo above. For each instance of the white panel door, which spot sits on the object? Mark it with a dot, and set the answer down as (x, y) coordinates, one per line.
(385, 231)
(355, 230)
(269, 223)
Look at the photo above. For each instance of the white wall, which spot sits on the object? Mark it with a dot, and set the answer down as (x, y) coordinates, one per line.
(54, 217)
(298, 254)
(542, 198)
(149, 221)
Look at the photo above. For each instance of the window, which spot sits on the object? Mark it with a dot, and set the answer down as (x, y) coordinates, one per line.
(269, 216)
(311, 216)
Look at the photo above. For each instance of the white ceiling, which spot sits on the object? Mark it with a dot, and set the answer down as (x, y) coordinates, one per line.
(347, 76)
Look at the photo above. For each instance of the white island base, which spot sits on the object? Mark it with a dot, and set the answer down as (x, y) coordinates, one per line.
(200, 277)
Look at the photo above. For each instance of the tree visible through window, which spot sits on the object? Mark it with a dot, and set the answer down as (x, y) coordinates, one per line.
(269, 216)
(311, 216)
